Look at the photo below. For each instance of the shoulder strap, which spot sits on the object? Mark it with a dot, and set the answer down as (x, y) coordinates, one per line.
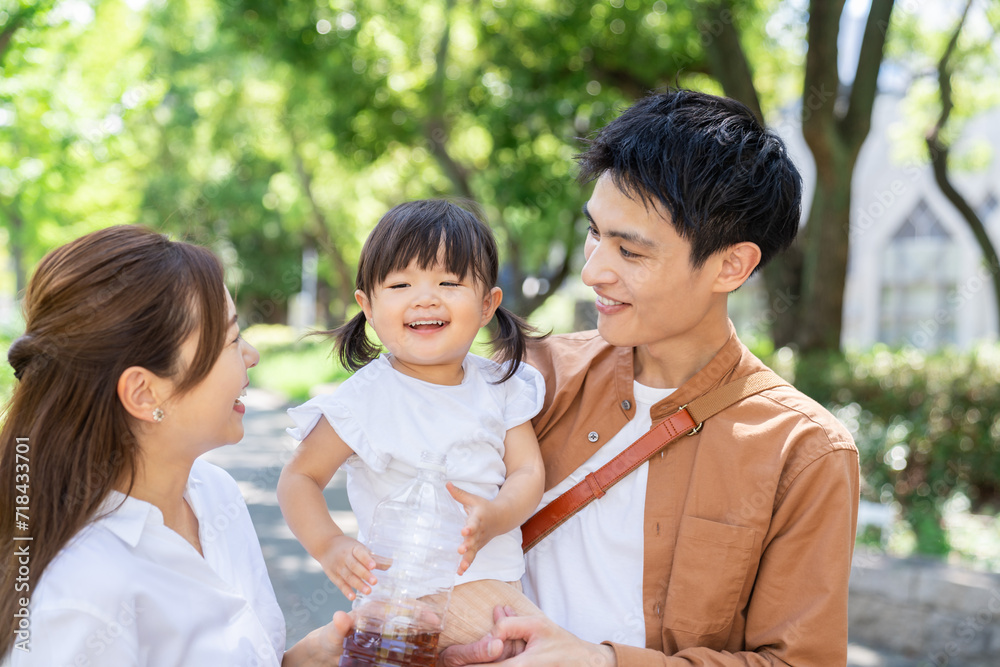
(687, 420)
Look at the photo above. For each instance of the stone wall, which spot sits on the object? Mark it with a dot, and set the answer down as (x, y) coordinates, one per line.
(938, 614)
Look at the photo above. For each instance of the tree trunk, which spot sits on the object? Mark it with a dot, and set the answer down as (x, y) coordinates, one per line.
(834, 129)
(939, 161)
(17, 246)
(825, 251)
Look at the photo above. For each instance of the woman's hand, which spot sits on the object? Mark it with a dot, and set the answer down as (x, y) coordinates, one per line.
(349, 565)
(479, 526)
(321, 647)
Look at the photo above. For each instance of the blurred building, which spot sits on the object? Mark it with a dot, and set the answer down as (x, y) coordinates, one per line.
(915, 274)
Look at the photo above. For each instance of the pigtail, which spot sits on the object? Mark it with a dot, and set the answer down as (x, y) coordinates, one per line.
(351, 344)
(511, 340)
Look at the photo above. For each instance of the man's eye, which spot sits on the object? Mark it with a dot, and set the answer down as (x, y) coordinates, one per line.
(627, 254)
(593, 231)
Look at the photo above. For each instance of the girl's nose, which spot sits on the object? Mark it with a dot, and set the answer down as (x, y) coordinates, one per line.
(428, 296)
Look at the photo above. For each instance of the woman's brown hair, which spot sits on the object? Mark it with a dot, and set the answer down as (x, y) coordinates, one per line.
(119, 297)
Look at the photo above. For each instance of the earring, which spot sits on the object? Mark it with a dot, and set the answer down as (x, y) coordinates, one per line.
(158, 415)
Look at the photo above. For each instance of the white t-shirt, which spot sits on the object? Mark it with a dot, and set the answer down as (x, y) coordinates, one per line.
(389, 418)
(128, 591)
(583, 574)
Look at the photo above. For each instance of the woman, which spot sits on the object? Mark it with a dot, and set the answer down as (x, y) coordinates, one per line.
(124, 547)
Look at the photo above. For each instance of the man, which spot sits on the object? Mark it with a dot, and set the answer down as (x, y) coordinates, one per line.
(731, 546)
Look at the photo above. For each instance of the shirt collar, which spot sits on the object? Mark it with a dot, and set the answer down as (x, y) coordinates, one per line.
(127, 517)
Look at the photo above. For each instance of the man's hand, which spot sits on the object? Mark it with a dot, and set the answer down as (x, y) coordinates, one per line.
(486, 650)
(546, 644)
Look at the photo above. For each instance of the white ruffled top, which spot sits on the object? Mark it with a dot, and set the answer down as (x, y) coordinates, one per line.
(388, 418)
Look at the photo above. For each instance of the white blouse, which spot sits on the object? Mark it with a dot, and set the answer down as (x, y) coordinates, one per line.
(128, 591)
(388, 418)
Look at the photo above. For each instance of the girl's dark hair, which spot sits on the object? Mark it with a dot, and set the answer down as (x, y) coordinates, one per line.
(723, 177)
(120, 297)
(417, 231)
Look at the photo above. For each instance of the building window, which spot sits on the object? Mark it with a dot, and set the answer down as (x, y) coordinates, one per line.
(920, 268)
(987, 208)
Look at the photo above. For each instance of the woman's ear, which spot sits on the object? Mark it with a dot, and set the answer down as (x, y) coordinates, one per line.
(365, 303)
(738, 262)
(138, 390)
(490, 304)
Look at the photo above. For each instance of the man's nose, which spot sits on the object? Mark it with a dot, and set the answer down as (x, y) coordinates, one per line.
(596, 270)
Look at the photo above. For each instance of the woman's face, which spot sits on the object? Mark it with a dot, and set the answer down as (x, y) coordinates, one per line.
(211, 413)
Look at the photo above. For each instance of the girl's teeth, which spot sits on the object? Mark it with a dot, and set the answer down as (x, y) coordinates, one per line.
(420, 322)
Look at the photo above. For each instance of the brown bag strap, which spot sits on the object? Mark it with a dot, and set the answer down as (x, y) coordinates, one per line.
(687, 420)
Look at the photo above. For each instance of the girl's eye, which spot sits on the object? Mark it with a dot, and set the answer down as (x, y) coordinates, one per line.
(450, 284)
(397, 286)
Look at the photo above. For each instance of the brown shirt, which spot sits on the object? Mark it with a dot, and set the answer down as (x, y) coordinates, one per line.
(749, 524)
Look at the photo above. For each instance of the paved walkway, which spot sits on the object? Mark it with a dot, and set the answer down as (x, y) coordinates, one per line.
(305, 594)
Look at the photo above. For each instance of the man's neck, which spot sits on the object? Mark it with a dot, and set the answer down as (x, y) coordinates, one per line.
(670, 363)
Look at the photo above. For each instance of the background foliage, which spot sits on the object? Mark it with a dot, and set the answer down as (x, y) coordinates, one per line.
(277, 132)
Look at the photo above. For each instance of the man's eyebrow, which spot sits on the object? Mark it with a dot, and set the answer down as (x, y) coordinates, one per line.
(625, 235)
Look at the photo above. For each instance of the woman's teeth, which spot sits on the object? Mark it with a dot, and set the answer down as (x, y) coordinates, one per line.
(604, 301)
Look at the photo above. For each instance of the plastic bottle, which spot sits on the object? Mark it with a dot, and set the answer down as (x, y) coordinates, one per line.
(416, 533)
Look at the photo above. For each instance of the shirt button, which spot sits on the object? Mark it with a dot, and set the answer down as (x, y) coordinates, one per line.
(592, 436)
(626, 405)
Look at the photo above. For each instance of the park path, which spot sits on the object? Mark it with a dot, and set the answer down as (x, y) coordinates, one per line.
(306, 596)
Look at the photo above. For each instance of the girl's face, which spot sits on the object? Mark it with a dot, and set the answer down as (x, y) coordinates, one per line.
(428, 318)
(211, 414)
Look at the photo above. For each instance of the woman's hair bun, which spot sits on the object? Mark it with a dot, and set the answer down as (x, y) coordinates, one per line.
(21, 353)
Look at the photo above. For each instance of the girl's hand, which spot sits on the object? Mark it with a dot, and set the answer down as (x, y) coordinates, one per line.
(349, 565)
(479, 527)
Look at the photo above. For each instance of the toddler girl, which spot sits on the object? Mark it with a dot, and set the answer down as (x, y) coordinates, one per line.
(426, 283)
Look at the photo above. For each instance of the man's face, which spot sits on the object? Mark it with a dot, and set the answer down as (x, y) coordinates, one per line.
(647, 291)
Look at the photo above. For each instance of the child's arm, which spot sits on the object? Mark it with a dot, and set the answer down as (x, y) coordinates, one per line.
(345, 561)
(516, 501)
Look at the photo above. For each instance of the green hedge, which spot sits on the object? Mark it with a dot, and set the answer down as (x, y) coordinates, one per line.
(927, 426)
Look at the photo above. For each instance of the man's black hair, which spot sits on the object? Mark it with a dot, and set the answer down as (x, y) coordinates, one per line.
(723, 178)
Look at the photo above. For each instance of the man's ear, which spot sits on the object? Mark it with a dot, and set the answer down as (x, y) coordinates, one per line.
(738, 262)
(138, 390)
(365, 303)
(490, 304)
